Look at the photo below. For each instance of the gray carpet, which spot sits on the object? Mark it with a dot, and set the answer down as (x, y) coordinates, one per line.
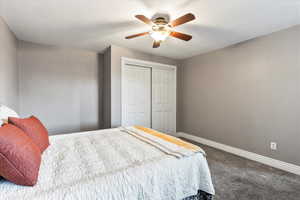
(237, 178)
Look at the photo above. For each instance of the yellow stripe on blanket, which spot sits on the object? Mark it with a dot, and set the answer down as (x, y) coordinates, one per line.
(169, 138)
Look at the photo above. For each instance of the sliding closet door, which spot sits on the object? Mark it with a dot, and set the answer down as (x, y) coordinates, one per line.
(136, 96)
(164, 100)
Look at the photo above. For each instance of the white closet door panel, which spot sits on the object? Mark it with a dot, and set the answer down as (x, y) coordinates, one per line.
(164, 100)
(136, 96)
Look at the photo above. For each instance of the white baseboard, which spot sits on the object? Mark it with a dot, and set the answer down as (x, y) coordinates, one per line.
(295, 169)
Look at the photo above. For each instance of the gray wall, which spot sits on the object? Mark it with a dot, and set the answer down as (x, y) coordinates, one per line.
(61, 86)
(116, 54)
(9, 92)
(247, 95)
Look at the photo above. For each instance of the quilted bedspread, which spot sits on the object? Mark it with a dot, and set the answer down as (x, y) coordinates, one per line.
(112, 165)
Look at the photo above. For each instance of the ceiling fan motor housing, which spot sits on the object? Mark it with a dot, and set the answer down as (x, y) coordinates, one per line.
(161, 25)
(160, 21)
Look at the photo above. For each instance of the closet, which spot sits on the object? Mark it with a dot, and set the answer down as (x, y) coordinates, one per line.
(148, 95)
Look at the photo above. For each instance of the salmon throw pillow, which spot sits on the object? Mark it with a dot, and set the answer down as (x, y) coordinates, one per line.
(34, 128)
(20, 157)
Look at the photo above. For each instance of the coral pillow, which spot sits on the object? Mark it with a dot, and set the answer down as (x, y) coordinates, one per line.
(20, 157)
(34, 128)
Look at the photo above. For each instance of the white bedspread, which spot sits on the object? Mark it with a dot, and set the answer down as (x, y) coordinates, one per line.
(112, 165)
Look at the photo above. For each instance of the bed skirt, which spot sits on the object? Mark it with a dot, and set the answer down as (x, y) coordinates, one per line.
(200, 196)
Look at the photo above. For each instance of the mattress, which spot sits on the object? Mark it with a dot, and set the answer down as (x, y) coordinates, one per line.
(112, 165)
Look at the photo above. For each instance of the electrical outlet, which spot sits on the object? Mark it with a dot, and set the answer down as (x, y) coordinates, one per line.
(273, 146)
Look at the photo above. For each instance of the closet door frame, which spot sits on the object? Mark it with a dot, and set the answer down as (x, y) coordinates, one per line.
(153, 65)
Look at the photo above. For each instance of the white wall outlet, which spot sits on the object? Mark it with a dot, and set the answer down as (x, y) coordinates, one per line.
(273, 145)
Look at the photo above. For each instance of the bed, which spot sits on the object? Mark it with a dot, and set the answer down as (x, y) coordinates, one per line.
(117, 164)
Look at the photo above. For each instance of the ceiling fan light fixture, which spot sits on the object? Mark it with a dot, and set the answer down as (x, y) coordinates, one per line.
(159, 36)
(160, 33)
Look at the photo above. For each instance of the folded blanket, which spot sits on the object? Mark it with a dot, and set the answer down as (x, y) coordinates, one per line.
(171, 139)
(166, 143)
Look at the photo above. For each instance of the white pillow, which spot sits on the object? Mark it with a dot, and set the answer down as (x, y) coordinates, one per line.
(6, 112)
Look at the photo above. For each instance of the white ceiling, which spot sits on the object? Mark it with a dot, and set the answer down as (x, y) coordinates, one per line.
(95, 24)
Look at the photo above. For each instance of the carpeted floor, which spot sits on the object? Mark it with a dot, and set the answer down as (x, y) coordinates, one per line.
(236, 178)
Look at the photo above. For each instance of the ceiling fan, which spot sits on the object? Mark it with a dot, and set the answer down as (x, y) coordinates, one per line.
(161, 28)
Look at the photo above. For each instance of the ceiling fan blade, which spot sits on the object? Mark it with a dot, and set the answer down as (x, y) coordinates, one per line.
(144, 19)
(156, 44)
(182, 20)
(181, 36)
(136, 35)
